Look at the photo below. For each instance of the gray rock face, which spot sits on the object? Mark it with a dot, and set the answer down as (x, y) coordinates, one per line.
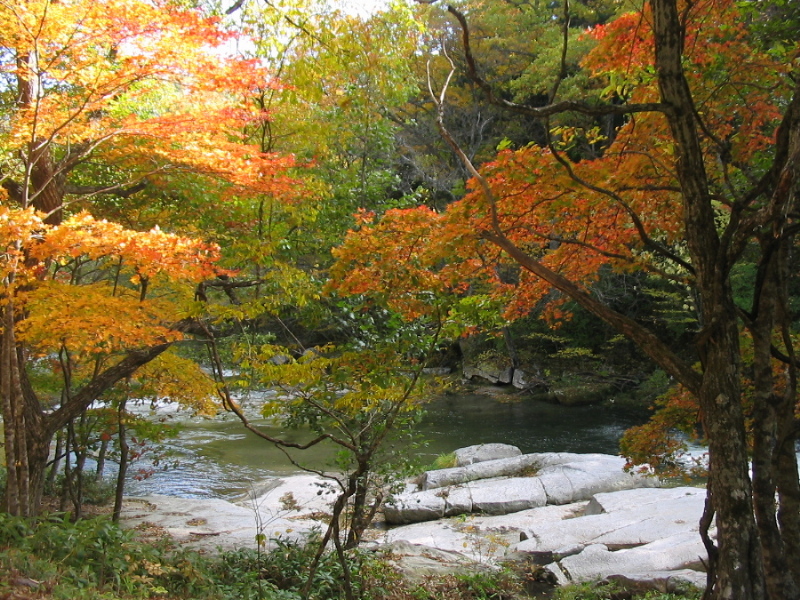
(512, 484)
(486, 469)
(490, 372)
(483, 452)
(573, 517)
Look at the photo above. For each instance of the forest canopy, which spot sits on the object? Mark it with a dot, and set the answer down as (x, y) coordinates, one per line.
(189, 183)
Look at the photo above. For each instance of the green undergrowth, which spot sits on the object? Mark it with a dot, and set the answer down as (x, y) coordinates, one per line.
(613, 591)
(444, 461)
(94, 559)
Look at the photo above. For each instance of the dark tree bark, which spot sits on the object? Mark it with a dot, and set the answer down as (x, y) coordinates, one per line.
(28, 439)
(739, 569)
(124, 454)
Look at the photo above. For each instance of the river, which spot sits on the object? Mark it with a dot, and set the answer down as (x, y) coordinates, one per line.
(219, 458)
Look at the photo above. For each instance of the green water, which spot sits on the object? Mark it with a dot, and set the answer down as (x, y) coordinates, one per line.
(219, 458)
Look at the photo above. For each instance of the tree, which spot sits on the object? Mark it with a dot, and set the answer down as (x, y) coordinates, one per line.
(519, 48)
(344, 75)
(104, 105)
(703, 171)
(361, 402)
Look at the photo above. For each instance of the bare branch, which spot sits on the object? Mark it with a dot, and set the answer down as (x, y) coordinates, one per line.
(550, 109)
(119, 190)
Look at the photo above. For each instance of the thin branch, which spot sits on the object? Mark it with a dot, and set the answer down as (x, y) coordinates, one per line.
(653, 346)
(562, 72)
(550, 109)
(231, 405)
(120, 190)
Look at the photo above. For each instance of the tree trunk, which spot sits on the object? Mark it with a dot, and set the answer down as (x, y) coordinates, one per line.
(29, 431)
(789, 504)
(739, 573)
(767, 416)
(13, 429)
(124, 454)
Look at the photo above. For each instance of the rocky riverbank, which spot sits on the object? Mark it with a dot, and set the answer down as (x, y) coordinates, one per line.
(570, 517)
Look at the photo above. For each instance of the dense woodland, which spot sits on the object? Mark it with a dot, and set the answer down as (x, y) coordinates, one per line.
(329, 200)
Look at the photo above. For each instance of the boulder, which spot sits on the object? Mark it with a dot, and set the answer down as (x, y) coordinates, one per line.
(487, 469)
(524, 381)
(427, 505)
(635, 518)
(516, 483)
(677, 552)
(483, 452)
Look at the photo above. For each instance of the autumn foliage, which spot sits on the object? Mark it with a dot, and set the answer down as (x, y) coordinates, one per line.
(622, 211)
(699, 177)
(108, 107)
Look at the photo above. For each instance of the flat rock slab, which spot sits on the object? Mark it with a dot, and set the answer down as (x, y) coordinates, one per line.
(674, 553)
(649, 536)
(486, 469)
(512, 484)
(634, 517)
(679, 581)
(483, 452)
(416, 562)
(646, 536)
(481, 538)
(286, 508)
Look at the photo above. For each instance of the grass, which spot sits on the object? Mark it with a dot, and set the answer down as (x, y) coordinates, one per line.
(444, 461)
(613, 591)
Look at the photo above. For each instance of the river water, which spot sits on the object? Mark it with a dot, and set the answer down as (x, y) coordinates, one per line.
(219, 458)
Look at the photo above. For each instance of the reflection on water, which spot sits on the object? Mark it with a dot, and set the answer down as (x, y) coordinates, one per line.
(219, 458)
(459, 421)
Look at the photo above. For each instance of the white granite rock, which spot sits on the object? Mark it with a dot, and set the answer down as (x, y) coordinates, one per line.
(503, 496)
(427, 505)
(287, 508)
(208, 524)
(643, 535)
(562, 477)
(635, 517)
(483, 452)
(677, 552)
(501, 467)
